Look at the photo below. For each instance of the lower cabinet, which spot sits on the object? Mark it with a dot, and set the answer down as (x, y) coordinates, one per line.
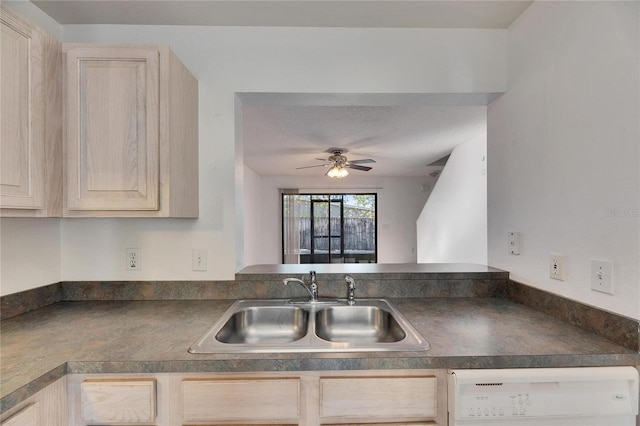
(47, 407)
(310, 398)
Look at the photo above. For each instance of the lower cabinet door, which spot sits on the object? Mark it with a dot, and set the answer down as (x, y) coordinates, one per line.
(241, 400)
(118, 402)
(28, 416)
(378, 399)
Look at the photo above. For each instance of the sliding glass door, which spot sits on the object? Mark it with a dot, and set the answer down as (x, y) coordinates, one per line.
(329, 228)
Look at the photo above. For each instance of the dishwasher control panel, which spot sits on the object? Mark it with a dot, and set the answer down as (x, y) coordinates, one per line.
(496, 405)
(483, 395)
(559, 402)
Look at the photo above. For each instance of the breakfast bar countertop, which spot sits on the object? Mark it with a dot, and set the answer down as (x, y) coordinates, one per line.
(40, 346)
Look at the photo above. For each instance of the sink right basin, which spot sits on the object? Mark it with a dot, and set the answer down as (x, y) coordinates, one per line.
(358, 324)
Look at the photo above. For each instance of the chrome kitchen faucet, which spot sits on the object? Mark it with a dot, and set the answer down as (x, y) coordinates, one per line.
(312, 289)
(351, 290)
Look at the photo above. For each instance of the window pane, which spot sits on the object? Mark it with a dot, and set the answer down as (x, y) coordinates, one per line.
(336, 220)
(295, 212)
(360, 227)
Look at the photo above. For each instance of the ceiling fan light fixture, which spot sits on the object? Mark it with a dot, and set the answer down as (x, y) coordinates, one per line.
(337, 172)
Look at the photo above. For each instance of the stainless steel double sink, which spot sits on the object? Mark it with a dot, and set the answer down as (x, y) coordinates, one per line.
(276, 325)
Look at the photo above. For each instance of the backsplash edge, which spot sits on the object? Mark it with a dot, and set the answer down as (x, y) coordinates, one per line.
(620, 329)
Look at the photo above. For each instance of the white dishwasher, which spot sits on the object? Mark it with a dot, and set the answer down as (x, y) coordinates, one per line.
(585, 396)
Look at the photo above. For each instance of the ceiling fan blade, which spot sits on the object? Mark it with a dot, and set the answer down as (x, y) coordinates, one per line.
(366, 160)
(308, 167)
(356, 167)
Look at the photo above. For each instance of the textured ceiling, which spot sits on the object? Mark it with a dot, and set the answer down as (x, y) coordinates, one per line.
(305, 13)
(401, 139)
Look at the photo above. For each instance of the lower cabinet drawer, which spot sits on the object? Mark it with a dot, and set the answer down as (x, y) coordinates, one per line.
(117, 402)
(378, 398)
(241, 400)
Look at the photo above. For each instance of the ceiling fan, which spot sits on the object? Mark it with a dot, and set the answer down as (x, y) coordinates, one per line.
(338, 163)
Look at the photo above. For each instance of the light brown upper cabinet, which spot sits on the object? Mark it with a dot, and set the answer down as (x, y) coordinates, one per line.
(30, 119)
(130, 134)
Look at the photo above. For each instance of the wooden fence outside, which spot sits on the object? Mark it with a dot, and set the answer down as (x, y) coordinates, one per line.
(359, 234)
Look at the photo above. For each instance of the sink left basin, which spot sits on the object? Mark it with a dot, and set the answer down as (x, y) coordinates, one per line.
(265, 324)
(256, 326)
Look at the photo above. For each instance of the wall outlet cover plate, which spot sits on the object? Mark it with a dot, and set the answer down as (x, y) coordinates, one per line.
(602, 276)
(556, 266)
(133, 260)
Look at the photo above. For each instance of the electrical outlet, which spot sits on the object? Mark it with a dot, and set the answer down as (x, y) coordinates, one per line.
(134, 261)
(199, 260)
(602, 276)
(514, 243)
(556, 266)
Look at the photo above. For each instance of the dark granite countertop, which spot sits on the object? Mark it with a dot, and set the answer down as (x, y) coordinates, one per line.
(41, 346)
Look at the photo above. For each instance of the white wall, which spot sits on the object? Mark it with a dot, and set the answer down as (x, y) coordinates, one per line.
(564, 151)
(399, 205)
(452, 227)
(399, 202)
(29, 253)
(563, 141)
(227, 60)
(254, 211)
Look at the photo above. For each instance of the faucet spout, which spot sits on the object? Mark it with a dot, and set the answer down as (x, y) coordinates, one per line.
(313, 296)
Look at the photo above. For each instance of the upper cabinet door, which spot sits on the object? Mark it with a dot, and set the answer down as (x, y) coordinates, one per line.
(21, 116)
(30, 119)
(112, 129)
(131, 132)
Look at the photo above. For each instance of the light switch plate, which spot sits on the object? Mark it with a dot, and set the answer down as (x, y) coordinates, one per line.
(199, 260)
(602, 276)
(514, 243)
